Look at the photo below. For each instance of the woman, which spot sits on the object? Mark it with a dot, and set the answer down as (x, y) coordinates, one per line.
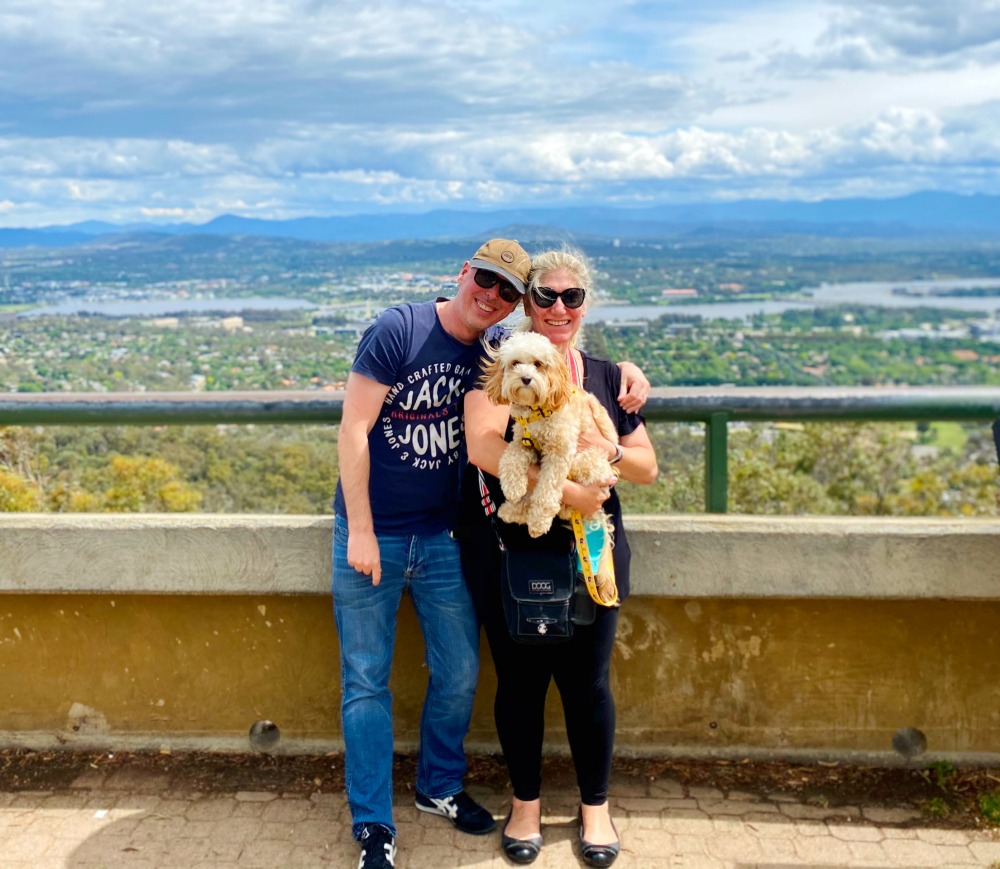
(555, 305)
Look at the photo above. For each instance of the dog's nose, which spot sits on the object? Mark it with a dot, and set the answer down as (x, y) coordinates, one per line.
(526, 381)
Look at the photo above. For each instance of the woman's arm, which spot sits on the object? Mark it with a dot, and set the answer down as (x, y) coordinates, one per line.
(638, 462)
(485, 427)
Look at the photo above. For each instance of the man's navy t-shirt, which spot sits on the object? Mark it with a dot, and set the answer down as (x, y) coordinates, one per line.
(417, 445)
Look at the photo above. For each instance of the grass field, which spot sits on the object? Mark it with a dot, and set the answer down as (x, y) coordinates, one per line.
(948, 436)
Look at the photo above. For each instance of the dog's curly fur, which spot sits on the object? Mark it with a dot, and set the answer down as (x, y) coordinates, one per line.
(528, 373)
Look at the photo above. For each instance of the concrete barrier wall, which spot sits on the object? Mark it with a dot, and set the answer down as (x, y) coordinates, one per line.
(746, 636)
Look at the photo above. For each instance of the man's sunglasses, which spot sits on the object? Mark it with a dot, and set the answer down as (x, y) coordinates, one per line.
(487, 279)
(546, 297)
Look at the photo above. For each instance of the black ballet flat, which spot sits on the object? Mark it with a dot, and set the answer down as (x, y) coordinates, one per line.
(519, 850)
(599, 855)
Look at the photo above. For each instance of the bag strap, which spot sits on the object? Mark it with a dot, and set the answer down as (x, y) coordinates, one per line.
(485, 498)
(575, 375)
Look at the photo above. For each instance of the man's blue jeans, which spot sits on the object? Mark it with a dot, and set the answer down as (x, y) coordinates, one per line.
(427, 566)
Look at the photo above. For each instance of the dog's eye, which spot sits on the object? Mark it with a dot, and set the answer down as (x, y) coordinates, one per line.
(539, 364)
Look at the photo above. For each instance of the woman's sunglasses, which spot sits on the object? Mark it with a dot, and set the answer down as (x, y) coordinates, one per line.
(506, 290)
(545, 297)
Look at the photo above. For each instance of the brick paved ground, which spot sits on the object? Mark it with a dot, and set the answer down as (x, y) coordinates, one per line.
(143, 821)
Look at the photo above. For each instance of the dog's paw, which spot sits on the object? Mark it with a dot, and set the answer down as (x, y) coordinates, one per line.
(539, 521)
(514, 486)
(539, 527)
(513, 512)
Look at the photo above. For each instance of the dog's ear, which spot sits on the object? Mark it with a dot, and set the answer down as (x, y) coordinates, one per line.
(491, 380)
(559, 382)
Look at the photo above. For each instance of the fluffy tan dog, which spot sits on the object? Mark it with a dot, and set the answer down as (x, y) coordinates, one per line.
(530, 374)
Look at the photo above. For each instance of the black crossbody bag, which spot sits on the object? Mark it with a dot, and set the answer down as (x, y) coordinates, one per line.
(544, 595)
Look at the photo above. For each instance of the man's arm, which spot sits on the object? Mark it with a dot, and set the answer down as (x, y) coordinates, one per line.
(635, 388)
(362, 404)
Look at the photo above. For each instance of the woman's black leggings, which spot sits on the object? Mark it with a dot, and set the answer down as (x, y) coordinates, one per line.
(580, 668)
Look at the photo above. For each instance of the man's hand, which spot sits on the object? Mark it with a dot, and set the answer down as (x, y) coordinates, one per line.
(634, 389)
(363, 554)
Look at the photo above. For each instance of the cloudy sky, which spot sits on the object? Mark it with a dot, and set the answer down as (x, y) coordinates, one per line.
(171, 110)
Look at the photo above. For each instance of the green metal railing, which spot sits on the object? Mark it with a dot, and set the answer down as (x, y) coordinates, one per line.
(716, 407)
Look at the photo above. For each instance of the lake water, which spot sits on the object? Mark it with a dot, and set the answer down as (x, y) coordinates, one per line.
(861, 293)
(880, 293)
(167, 307)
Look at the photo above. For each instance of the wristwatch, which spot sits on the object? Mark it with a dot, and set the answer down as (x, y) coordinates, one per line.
(617, 456)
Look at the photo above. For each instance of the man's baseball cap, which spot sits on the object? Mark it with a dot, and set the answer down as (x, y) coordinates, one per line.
(505, 257)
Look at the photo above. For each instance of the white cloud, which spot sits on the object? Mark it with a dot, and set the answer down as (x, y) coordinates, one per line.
(112, 158)
(286, 107)
(896, 36)
(905, 136)
(175, 213)
(310, 175)
(923, 29)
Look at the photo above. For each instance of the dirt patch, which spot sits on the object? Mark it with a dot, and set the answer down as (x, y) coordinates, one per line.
(965, 798)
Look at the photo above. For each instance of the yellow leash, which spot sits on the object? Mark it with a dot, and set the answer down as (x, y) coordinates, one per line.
(588, 570)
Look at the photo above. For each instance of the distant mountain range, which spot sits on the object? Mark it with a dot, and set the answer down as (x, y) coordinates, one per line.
(920, 214)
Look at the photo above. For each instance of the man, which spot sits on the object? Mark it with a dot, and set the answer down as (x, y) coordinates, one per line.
(401, 454)
(397, 500)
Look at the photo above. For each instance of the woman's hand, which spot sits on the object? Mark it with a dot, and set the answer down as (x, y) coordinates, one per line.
(586, 499)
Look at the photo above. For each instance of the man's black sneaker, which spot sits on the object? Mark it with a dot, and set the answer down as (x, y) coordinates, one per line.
(463, 811)
(378, 848)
